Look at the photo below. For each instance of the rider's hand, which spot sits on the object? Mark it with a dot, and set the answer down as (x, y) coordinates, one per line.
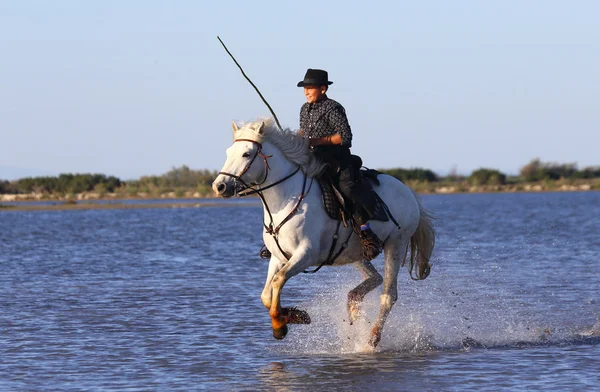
(326, 141)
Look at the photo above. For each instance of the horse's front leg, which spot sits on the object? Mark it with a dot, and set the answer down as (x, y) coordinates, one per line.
(281, 317)
(274, 266)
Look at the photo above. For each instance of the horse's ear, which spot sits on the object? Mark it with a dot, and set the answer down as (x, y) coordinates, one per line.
(261, 128)
(234, 127)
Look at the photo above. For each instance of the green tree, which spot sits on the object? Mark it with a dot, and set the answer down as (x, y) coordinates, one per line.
(485, 176)
(588, 172)
(177, 178)
(67, 183)
(415, 174)
(4, 186)
(537, 170)
(532, 171)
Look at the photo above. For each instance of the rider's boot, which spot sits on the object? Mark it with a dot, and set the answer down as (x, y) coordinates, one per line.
(370, 243)
(364, 201)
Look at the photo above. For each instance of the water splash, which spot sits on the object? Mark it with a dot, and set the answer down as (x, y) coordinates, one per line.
(430, 316)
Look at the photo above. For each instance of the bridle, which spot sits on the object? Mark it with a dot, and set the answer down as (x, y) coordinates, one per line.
(238, 177)
(242, 192)
(249, 189)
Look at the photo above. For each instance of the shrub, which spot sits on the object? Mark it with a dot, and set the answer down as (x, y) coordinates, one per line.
(4, 187)
(182, 177)
(67, 183)
(485, 176)
(415, 174)
(588, 173)
(537, 170)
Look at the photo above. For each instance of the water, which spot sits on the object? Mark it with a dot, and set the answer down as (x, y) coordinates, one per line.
(199, 201)
(169, 299)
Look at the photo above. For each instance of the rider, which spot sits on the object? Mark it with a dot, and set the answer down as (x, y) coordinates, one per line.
(323, 121)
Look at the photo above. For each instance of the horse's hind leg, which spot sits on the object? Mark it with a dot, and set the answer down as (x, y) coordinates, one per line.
(395, 252)
(356, 295)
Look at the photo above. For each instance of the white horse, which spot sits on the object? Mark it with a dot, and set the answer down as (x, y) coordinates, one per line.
(279, 166)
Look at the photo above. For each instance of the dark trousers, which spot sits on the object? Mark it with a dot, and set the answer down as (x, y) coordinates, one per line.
(360, 192)
(349, 182)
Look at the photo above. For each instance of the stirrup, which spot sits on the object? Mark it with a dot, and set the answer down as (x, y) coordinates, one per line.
(264, 253)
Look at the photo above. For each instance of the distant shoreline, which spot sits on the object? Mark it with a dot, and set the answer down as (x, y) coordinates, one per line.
(445, 187)
(184, 183)
(82, 203)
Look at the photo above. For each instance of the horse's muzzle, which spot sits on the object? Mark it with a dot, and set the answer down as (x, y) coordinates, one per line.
(223, 188)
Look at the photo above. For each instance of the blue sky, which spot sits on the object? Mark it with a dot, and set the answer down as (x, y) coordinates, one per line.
(131, 88)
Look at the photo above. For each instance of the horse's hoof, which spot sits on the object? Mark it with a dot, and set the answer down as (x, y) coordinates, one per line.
(280, 333)
(374, 341)
(375, 338)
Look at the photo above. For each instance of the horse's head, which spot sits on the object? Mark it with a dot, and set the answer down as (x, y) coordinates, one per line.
(245, 164)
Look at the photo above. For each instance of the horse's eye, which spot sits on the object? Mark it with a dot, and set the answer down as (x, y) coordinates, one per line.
(246, 155)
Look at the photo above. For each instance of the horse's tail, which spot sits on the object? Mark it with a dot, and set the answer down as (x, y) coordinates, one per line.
(421, 244)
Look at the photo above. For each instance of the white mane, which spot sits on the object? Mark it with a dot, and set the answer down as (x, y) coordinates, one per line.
(293, 146)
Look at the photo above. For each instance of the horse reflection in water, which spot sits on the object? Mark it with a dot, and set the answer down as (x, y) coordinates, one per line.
(280, 168)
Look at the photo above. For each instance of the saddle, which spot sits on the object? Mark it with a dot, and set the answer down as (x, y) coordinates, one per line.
(339, 207)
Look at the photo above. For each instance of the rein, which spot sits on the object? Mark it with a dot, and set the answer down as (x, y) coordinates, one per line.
(273, 231)
(253, 191)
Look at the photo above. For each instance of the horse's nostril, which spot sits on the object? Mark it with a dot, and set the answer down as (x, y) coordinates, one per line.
(221, 188)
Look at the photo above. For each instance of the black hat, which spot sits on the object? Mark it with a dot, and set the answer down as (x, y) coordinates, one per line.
(315, 77)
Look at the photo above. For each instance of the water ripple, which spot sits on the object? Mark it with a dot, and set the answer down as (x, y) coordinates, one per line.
(168, 299)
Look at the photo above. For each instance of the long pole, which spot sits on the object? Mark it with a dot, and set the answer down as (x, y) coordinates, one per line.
(250, 81)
